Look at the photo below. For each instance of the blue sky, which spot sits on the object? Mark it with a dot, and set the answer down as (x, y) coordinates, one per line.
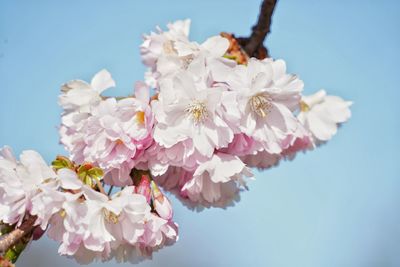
(336, 206)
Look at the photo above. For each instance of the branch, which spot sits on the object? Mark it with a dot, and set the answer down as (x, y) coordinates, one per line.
(253, 45)
(5, 263)
(17, 234)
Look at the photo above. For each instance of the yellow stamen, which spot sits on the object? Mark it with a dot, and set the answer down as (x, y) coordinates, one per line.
(140, 117)
(304, 107)
(110, 216)
(186, 60)
(198, 111)
(169, 48)
(119, 142)
(63, 213)
(261, 104)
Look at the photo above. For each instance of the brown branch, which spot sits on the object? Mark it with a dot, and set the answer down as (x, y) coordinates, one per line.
(253, 45)
(17, 234)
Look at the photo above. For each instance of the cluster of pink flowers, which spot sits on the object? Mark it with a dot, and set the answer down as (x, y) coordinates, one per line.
(215, 118)
(196, 126)
(128, 225)
(108, 132)
(210, 119)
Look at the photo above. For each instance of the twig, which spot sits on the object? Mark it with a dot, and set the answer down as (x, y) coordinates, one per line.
(100, 186)
(253, 45)
(110, 190)
(14, 236)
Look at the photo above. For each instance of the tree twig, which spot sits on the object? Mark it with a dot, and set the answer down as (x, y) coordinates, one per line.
(100, 186)
(253, 45)
(17, 234)
(110, 190)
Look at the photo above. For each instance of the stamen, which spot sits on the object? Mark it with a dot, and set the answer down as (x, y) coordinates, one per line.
(110, 216)
(140, 117)
(198, 111)
(169, 48)
(63, 213)
(119, 142)
(261, 104)
(186, 60)
(304, 107)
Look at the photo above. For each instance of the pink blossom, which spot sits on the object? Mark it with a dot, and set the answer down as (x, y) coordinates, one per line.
(20, 183)
(321, 114)
(217, 181)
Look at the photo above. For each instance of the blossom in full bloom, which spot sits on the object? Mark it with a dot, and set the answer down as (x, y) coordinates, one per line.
(191, 55)
(267, 97)
(166, 52)
(77, 99)
(113, 135)
(93, 226)
(217, 181)
(157, 43)
(20, 182)
(321, 113)
(78, 95)
(187, 109)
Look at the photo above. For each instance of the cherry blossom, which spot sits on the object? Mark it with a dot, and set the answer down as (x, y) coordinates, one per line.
(20, 183)
(208, 121)
(321, 114)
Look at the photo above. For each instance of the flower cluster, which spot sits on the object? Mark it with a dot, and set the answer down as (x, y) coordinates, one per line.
(110, 133)
(215, 118)
(210, 119)
(203, 117)
(128, 225)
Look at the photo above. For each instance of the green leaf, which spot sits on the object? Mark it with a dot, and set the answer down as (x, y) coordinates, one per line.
(95, 173)
(62, 162)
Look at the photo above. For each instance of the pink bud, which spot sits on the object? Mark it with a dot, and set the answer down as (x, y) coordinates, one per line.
(144, 188)
(161, 202)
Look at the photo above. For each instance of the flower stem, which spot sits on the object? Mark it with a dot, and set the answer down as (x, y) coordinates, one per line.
(17, 234)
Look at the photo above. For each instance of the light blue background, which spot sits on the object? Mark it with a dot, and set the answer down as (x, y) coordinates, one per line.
(338, 206)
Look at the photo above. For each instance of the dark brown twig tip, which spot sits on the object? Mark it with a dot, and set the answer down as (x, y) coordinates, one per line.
(253, 45)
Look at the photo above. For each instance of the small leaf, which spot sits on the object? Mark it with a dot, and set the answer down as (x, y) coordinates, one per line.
(87, 180)
(62, 162)
(96, 173)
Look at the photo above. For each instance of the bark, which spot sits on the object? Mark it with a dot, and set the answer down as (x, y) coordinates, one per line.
(253, 45)
(17, 234)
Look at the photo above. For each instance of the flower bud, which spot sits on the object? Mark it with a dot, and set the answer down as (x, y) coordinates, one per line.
(144, 188)
(161, 203)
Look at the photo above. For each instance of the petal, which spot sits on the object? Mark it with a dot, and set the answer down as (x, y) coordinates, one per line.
(102, 81)
(69, 179)
(216, 45)
(142, 92)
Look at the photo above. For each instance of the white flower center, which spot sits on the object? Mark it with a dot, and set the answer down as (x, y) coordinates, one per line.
(198, 111)
(261, 104)
(110, 216)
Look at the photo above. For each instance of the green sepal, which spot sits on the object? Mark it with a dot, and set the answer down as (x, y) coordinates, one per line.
(62, 162)
(95, 173)
(87, 173)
